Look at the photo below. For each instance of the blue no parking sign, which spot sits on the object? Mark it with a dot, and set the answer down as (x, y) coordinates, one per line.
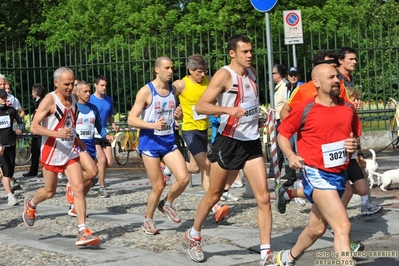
(263, 5)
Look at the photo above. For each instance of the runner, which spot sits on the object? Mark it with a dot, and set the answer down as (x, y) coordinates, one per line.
(88, 120)
(55, 120)
(153, 113)
(237, 145)
(103, 147)
(327, 128)
(195, 126)
(7, 143)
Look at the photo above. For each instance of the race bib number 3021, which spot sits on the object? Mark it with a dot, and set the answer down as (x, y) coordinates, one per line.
(334, 154)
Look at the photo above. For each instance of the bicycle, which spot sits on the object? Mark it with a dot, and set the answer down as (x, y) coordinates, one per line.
(125, 142)
(23, 145)
(393, 125)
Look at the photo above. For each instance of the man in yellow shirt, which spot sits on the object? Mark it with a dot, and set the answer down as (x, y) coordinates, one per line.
(195, 126)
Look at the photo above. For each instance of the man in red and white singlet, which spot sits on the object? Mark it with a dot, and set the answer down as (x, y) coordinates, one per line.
(237, 145)
(55, 121)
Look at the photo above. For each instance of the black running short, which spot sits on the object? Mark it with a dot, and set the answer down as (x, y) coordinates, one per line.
(231, 154)
(102, 142)
(354, 171)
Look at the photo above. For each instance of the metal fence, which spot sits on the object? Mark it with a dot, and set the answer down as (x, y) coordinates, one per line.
(128, 62)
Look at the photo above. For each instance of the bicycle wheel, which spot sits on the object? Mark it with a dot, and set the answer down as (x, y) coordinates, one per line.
(120, 154)
(23, 153)
(394, 132)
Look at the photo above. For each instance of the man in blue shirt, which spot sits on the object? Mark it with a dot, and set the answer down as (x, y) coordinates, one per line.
(103, 146)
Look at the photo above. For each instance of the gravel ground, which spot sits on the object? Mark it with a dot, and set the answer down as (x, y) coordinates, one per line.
(243, 214)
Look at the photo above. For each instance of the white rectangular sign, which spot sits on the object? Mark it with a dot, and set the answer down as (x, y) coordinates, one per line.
(292, 27)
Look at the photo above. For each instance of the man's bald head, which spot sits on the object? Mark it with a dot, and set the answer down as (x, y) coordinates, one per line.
(321, 69)
(325, 78)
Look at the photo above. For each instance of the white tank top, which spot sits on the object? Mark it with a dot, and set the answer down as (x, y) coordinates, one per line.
(244, 93)
(56, 151)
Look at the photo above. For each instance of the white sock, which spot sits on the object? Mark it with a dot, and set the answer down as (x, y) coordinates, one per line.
(365, 199)
(263, 250)
(215, 207)
(9, 195)
(286, 257)
(81, 227)
(194, 233)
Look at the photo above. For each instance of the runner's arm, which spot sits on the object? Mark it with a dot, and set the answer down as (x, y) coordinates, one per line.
(219, 83)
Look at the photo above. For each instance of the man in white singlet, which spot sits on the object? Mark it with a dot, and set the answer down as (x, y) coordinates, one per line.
(237, 145)
(55, 121)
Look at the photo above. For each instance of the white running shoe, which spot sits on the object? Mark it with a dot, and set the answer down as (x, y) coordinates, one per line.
(237, 184)
(370, 209)
(12, 201)
(61, 176)
(299, 201)
(228, 197)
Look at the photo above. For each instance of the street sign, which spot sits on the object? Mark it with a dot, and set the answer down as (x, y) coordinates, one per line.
(263, 5)
(292, 27)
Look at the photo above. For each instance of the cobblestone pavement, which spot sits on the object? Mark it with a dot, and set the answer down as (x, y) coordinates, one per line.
(117, 219)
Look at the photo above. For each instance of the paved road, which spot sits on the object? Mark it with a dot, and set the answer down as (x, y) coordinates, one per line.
(237, 245)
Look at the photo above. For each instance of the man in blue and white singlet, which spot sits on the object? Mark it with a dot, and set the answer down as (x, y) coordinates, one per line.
(87, 122)
(153, 113)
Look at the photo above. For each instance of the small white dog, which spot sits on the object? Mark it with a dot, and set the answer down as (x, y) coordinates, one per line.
(371, 167)
(387, 178)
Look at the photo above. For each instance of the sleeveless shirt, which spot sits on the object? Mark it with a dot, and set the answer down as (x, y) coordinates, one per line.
(243, 92)
(56, 151)
(160, 107)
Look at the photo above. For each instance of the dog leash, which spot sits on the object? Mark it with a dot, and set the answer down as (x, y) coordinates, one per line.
(383, 148)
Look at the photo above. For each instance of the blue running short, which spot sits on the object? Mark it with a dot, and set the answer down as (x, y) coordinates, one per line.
(314, 178)
(158, 153)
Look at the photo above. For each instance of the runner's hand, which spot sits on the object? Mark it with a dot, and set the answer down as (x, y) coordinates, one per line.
(236, 112)
(350, 144)
(159, 124)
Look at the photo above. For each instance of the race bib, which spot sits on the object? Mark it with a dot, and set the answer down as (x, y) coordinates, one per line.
(167, 130)
(197, 116)
(334, 154)
(70, 141)
(85, 131)
(251, 111)
(5, 121)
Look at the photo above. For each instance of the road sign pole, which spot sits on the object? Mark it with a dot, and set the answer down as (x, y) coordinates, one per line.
(269, 48)
(294, 55)
(266, 6)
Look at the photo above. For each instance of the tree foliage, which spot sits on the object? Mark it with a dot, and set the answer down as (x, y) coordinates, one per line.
(130, 29)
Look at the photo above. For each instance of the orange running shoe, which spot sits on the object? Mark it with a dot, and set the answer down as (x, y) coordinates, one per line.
(69, 193)
(87, 238)
(29, 213)
(220, 211)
